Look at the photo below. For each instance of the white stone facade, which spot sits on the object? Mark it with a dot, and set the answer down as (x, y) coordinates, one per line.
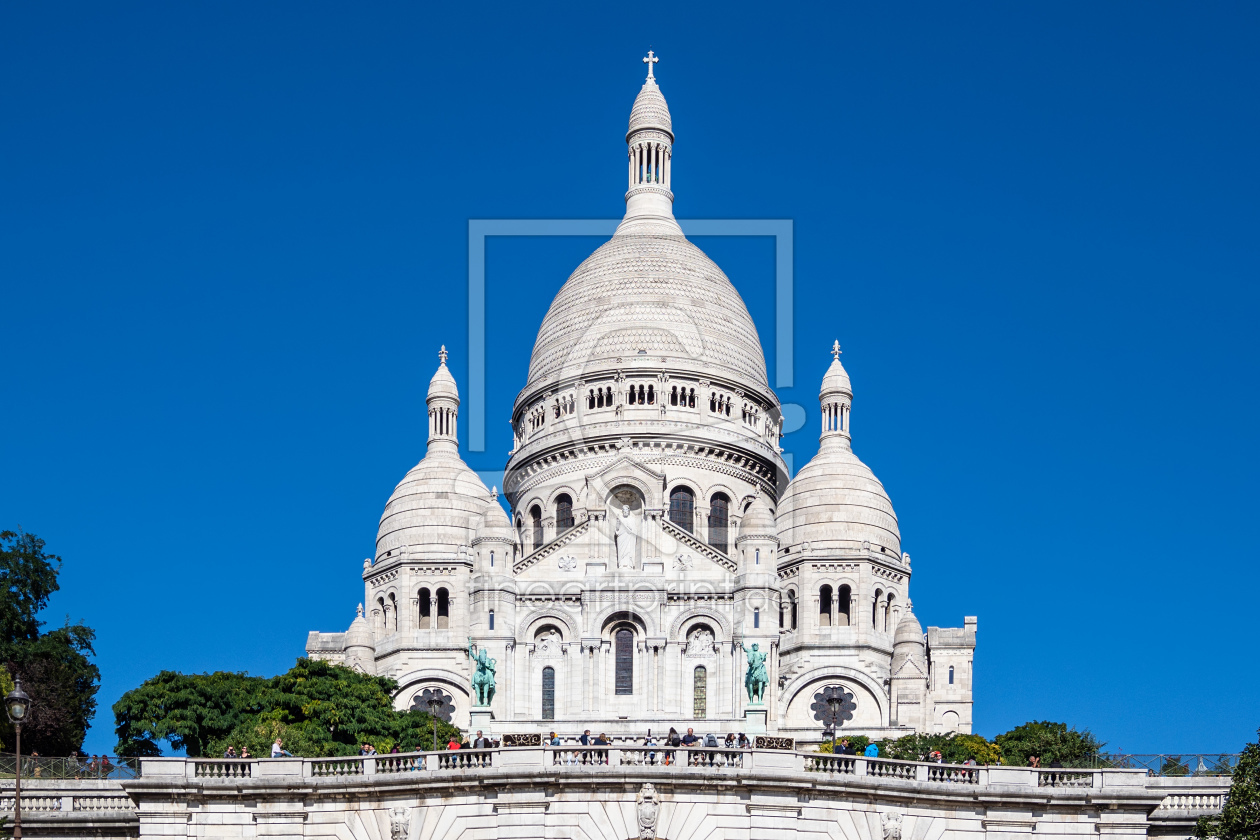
(653, 531)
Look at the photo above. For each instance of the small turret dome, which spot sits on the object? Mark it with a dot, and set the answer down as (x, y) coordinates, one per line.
(359, 634)
(443, 384)
(650, 110)
(836, 380)
(495, 525)
(758, 520)
(909, 631)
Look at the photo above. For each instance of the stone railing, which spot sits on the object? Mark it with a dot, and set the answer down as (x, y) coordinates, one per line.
(68, 797)
(574, 758)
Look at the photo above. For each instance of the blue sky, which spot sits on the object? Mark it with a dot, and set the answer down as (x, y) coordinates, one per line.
(234, 235)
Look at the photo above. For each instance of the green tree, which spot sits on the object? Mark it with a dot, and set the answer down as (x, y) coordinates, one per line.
(954, 748)
(55, 667)
(187, 711)
(1240, 819)
(1051, 742)
(319, 709)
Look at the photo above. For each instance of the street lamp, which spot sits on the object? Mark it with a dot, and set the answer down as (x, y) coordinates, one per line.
(834, 702)
(17, 704)
(435, 703)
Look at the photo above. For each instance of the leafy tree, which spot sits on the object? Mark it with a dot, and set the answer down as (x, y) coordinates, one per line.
(1051, 742)
(319, 709)
(953, 747)
(56, 669)
(189, 712)
(1240, 819)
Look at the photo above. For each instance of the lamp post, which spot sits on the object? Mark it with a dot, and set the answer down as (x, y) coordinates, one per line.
(435, 703)
(17, 704)
(834, 702)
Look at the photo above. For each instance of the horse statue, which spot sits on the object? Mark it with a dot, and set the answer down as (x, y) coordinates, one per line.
(483, 678)
(756, 680)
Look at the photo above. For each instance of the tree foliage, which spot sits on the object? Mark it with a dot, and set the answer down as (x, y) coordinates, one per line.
(1240, 819)
(319, 709)
(953, 747)
(55, 667)
(1051, 742)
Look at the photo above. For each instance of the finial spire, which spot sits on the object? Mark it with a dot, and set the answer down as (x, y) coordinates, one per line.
(442, 354)
(649, 61)
(835, 350)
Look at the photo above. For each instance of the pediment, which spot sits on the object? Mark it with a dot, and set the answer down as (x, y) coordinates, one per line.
(626, 469)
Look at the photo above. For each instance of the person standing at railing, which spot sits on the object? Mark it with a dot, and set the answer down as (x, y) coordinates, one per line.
(245, 753)
(481, 742)
(601, 756)
(872, 750)
(674, 741)
(230, 752)
(585, 740)
(649, 741)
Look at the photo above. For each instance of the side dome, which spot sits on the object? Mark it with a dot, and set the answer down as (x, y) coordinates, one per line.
(434, 510)
(835, 501)
(659, 296)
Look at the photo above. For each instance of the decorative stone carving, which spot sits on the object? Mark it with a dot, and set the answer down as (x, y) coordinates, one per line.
(684, 562)
(548, 645)
(648, 809)
(399, 823)
(436, 702)
(821, 707)
(700, 642)
(891, 821)
(567, 563)
(627, 538)
(529, 739)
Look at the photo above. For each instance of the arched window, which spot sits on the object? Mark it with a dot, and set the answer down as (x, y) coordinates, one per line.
(564, 513)
(444, 609)
(691, 398)
(673, 395)
(682, 508)
(888, 614)
(491, 619)
(608, 401)
(792, 609)
(426, 606)
(492, 559)
(781, 615)
(824, 606)
(623, 651)
(535, 525)
(844, 598)
(600, 398)
(380, 607)
(700, 693)
(756, 556)
(631, 396)
(719, 513)
(642, 399)
(392, 615)
(549, 694)
(951, 674)
(651, 396)
(756, 618)
(875, 609)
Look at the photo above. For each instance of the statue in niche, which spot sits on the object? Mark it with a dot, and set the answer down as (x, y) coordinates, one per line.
(549, 644)
(627, 538)
(700, 642)
(399, 823)
(891, 821)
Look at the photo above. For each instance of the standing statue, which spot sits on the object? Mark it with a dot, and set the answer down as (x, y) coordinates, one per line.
(647, 808)
(757, 679)
(483, 679)
(399, 823)
(891, 821)
(627, 539)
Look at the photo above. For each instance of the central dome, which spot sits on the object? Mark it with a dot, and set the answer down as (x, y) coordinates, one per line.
(652, 295)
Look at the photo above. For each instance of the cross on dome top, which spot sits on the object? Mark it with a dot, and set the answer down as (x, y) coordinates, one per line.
(442, 354)
(835, 350)
(649, 60)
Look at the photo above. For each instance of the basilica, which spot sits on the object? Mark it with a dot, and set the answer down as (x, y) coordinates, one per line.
(651, 535)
